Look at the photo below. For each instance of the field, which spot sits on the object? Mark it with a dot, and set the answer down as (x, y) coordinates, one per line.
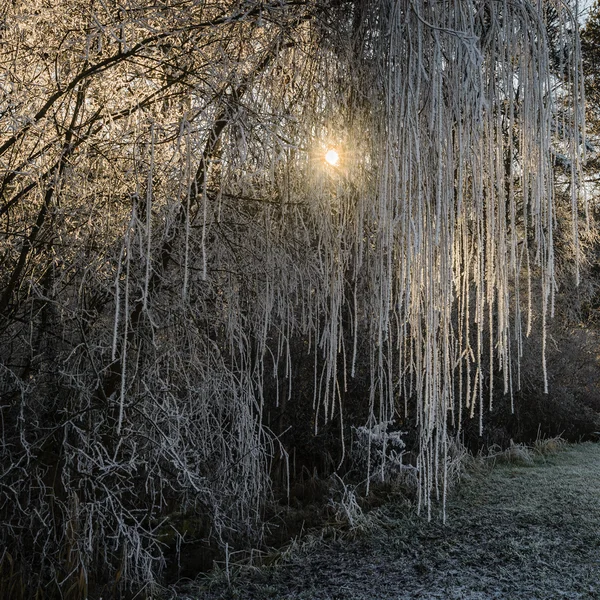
(528, 528)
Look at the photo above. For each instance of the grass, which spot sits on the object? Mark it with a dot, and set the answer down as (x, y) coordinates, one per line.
(523, 524)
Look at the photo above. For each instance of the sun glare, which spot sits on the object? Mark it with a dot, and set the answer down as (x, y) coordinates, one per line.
(332, 157)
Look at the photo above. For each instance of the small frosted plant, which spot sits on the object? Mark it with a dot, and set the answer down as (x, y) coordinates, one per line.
(379, 451)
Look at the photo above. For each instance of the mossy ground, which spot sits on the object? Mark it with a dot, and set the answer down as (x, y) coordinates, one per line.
(521, 531)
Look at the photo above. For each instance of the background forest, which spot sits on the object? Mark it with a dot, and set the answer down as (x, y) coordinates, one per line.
(200, 315)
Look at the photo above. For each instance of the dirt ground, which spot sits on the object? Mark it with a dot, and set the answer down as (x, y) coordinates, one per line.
(520, 531)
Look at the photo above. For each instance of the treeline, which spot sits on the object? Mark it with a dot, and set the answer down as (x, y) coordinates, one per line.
(196, 307)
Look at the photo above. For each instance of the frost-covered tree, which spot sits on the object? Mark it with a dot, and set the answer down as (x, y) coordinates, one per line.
(591, 55)
(174, 244)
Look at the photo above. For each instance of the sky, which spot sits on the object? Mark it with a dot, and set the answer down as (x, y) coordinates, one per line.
(584, 10)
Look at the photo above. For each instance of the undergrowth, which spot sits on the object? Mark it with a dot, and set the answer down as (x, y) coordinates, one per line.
(351, 515)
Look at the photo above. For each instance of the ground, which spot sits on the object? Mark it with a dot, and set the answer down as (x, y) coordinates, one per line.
(523, 531)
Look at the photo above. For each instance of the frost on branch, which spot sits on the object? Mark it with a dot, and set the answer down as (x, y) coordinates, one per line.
(184, 273)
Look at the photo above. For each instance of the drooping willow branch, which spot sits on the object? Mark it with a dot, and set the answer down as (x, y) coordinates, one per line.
(200, 275)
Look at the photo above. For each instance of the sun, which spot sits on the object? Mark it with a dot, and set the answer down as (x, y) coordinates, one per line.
(332, 157)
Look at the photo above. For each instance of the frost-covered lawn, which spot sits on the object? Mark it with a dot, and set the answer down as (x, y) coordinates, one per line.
(519, 532)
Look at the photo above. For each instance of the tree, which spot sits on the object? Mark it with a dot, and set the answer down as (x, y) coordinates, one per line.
(591, 55)
(175, 246)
